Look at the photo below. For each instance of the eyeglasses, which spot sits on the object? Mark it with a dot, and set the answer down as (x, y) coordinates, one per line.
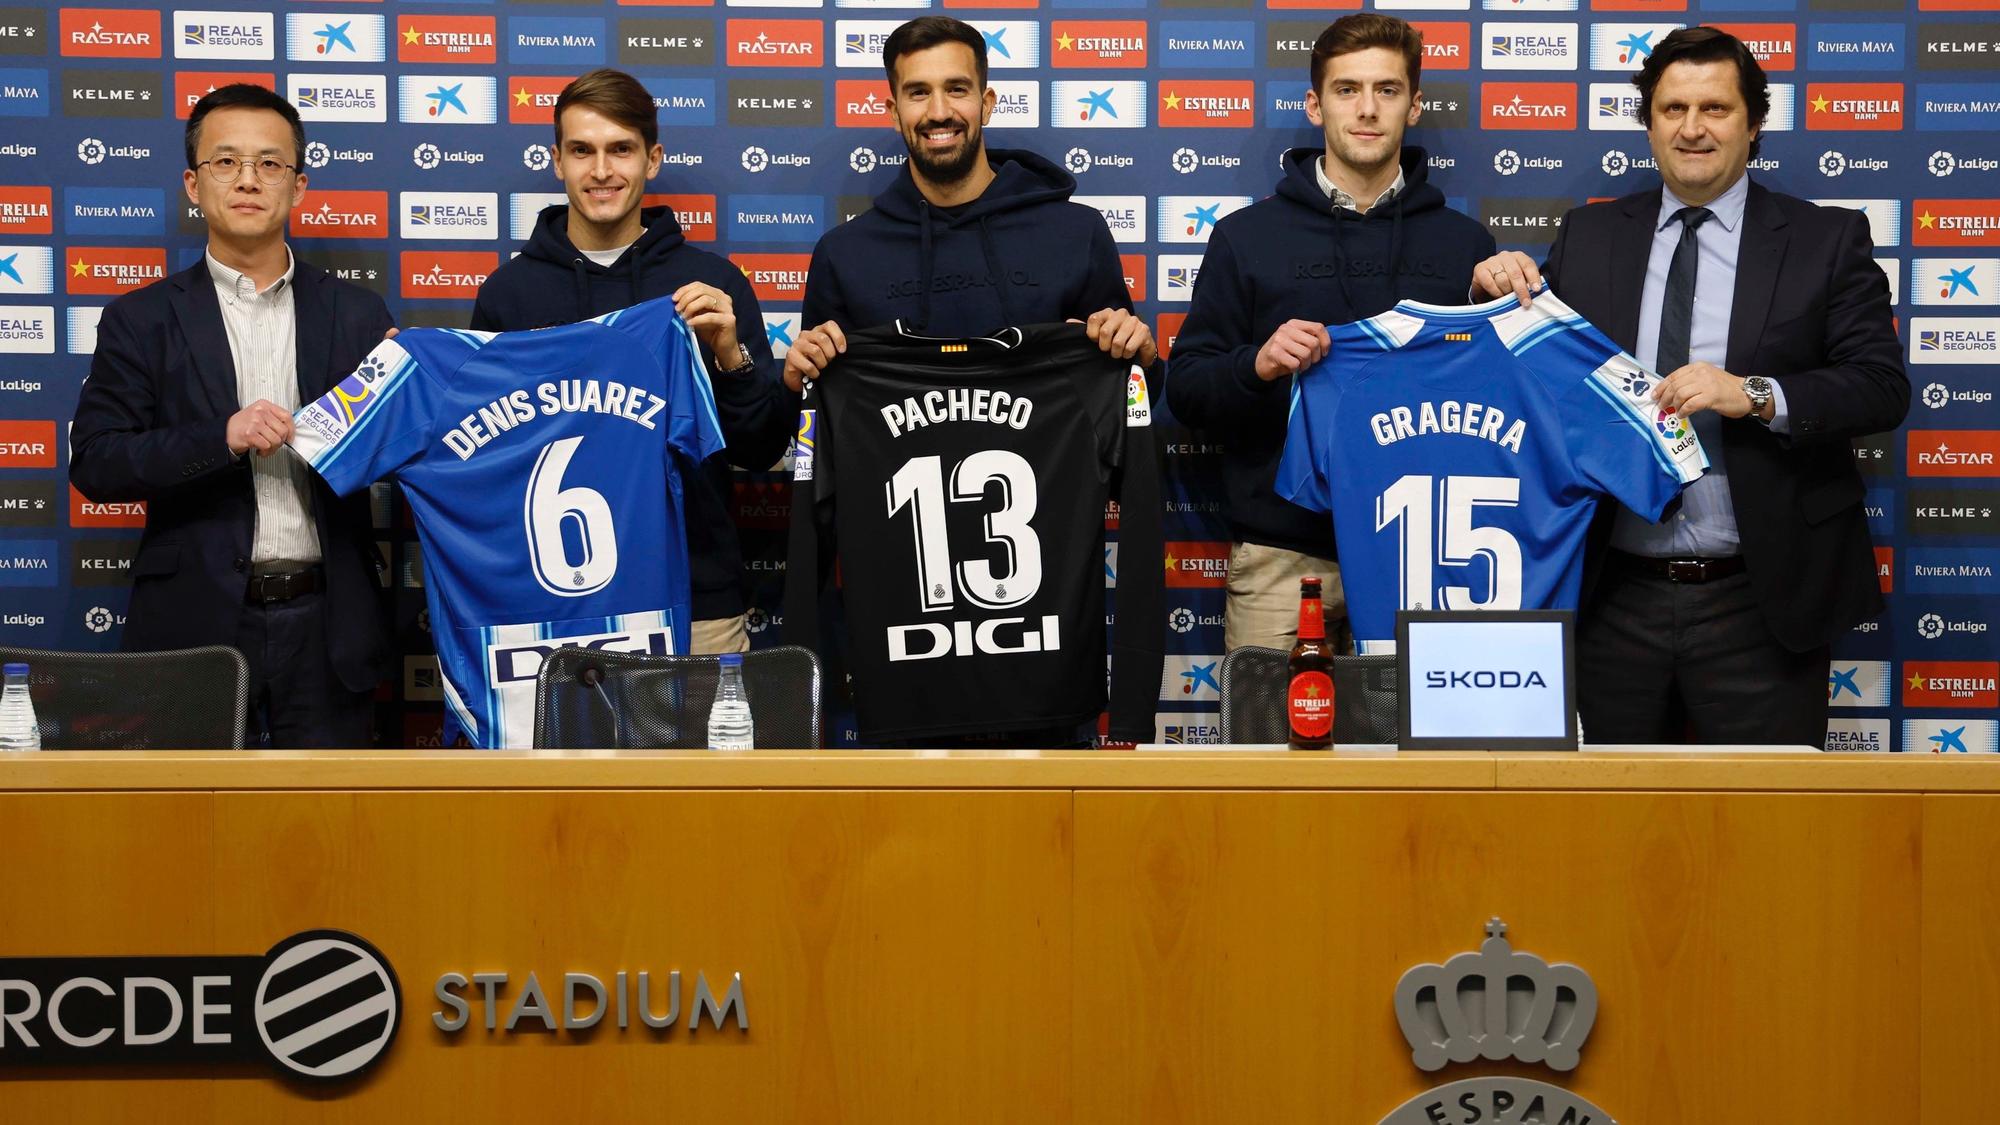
(226, 169)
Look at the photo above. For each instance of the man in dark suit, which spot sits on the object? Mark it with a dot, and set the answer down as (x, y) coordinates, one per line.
(188, 407)
(1772, 325)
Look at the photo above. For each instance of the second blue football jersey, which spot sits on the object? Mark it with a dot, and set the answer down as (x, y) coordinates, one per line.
(1463, 451)
(540, 467)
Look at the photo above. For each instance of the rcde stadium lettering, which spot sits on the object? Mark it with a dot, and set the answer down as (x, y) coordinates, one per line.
(958, 404)
(629, 992)
(1469, 419)
(564, 396)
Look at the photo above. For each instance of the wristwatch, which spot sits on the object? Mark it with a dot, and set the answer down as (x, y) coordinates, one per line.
(1759, 390)
(742, 368)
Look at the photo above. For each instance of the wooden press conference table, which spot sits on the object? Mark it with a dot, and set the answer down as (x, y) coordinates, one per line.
(1063, 937)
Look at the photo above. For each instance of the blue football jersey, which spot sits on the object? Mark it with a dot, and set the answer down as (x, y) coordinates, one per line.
(1462, 452)
(540, 467)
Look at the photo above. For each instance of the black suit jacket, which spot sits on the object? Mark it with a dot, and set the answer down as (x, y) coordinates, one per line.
(149, 426)
(1811, 313)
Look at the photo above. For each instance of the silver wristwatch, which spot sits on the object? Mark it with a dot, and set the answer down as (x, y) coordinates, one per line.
(1759, 390)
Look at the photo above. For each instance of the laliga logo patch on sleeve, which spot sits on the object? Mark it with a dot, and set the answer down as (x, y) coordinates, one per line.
(1138, 405)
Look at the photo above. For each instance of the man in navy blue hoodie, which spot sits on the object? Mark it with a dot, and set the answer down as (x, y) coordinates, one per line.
(1352, 230)
(965, 241)
(604, 251)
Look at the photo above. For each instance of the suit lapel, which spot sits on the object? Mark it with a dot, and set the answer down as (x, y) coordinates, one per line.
(1633, 244)
(200, 317)
(1759, 252)
(312, 328)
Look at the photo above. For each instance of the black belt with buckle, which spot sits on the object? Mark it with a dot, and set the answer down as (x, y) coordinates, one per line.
(1692, 572)
(268, 588)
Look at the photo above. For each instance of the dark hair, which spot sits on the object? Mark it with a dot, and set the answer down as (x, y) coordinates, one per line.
(243, 95)
(1363, 30)
(925, 32)
(618, 96)
(1704, 45)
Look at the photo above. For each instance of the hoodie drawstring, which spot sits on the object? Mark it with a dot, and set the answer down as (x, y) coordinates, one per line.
(1000, 283)
(924, 275)
(582, 283)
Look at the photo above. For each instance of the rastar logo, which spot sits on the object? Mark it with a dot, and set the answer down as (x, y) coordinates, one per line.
(1875, 106)
(531, 99)
(1955, 222)
(775, 42)
(695, 214)
(1134, 267)
(1200, 565)
(1776, 45)
(860, 103)
(445, 39)
(190, 86)
(110, 33)
(446, 275)
(85, 512)
(1953, 453)
(1212, 103)
(108, 271)
(1447, 46)
(27, 445)
(342, 214)
(1951, 683)
(775, 277)
(1167, 330)
(26, 210)
(1528, 105)
(1099, 44)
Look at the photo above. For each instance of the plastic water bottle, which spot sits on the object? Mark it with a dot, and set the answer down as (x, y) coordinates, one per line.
(729, 725)
(18, 730)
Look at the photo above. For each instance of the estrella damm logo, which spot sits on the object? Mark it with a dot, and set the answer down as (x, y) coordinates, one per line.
(1099, 44)
(27, 210)
(445, 39)
(531, 99)
(1873, 106)
(1775, 45)
(1955, 222)
(1208, 103)
(107, 271)
(695, 213)
(775, 277)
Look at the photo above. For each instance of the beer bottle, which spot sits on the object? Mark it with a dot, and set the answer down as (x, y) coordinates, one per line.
(1309, 696)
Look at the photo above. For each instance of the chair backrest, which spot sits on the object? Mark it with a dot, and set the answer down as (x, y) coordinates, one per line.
(588, 699)
(1253, 698)
(179, 699)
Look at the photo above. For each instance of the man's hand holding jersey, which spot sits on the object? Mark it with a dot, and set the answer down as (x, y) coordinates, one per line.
(1703, 386)
(811, 353)
(1295, 346)
(711, 316)
(1509, 271)
(1122, 334)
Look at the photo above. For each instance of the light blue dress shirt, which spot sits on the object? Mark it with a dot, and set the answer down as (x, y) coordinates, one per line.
(1704, 525)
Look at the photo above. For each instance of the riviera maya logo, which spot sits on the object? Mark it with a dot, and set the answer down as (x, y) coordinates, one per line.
(1491, 1006)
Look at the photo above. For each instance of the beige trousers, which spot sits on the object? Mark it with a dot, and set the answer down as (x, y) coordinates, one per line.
(1264, 597)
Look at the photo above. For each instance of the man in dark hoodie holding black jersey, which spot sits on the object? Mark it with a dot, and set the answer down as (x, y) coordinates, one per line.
(603, 251)
(1352, 229)
(965, 241)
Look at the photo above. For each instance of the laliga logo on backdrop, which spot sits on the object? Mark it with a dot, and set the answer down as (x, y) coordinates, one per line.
(1186, 160)
(427, 156)
(1077, 160)
(536, 158)
(1937, 396)
(90, 150)
(318, 155)
(1942, 164)
(98, 619)
(1506, 162)
(1545, 1022)
(1930, 626)
(755, 159)
(1181, 620)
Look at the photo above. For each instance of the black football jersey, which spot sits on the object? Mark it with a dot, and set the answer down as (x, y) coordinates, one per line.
(963, 483)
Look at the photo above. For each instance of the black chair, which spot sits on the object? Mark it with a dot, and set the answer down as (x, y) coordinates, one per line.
(1253, 698)
(179, 699)
(587, 699)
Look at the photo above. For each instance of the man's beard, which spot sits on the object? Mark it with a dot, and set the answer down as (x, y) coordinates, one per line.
(948, 170)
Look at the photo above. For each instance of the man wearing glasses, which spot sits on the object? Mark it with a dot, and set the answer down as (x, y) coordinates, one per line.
(188, 407)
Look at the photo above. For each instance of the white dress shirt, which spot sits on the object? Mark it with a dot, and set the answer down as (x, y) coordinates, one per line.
(263, 334)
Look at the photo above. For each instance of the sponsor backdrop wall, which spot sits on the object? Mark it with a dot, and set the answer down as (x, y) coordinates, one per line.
(427, 165)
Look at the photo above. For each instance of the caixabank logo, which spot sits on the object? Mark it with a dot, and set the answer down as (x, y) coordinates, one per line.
(322, 1005)
(1496, 1005)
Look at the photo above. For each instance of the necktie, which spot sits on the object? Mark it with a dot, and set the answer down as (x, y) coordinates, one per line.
(1677, 313)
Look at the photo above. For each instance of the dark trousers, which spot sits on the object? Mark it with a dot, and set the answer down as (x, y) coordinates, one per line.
(296, 700)
(1666, 662)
